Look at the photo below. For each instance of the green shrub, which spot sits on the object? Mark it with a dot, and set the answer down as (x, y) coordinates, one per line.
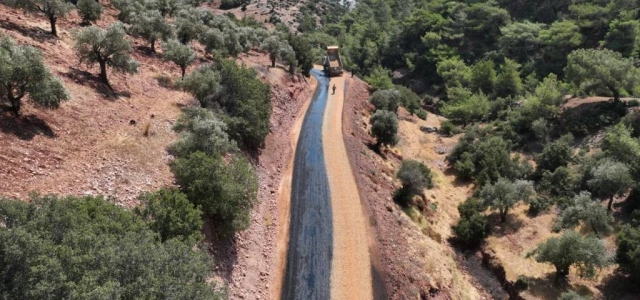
(472, 227)
(241, 98)
(89, 10)
(89, 248)
(422, 114)
(415, 177)
(384, 127)
(379, 79)
(229, 4)
(554, 155)
(522, 283)
(388, 100)
(539, 205)
(202, 131)
(447, 127)
(169, 213)
(226, 191)
(408, 99)
(628, 252)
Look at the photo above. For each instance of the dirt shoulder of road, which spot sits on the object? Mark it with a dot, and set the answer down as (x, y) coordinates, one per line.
(351, 267)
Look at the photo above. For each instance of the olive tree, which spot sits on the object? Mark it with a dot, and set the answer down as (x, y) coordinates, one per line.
(276, 47)
(571, 249)
(22, 72)
(610, 178)
(202, 131)
(151, 26)
(415, 177)
(384, 127)
(388, 100)
(586, 211)
(53, 9)
(606, 69)
(89, 10)
(628, 252)
(178, 53)
(505, 194)
(106, 48)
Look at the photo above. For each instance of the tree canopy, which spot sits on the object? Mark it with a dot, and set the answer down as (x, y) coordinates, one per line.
(605, 69)
(107, 48)
(23, 73)
(384, 127)
(570, 249)
(505, 194)
(52, 9)
(89, 248)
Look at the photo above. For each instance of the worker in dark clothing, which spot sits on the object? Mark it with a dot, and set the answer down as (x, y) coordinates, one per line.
(334, 89)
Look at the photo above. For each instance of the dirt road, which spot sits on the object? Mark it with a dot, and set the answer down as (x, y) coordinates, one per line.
(351, 264)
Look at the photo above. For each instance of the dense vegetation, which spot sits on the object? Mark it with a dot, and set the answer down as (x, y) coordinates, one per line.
(89, 248)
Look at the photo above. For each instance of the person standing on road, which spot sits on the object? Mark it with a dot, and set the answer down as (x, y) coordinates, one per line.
(334, 89)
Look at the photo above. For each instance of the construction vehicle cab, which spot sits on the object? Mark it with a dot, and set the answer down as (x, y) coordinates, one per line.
(332, 62)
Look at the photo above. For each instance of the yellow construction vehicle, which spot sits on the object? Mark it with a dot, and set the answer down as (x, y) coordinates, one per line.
(332, 62)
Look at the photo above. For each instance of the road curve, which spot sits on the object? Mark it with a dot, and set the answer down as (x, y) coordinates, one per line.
(309, 255)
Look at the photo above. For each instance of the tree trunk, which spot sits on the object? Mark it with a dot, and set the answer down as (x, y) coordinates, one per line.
(52, 21)
(561, 273)
(103, 73)
(153, 45)
(503, 215)
(616, 94)
(184, 70)
(15, 104)
(273, 62)
(610, 203)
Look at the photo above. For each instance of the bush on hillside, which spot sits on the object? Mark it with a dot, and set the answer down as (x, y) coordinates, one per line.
(229, 4)
(202, 131)
(226, 191)
(384, 128)
(415, 177)
(472, 227)
(388, 100)
(89, 10)
(243, 101)
(89, 248)
(169, 213)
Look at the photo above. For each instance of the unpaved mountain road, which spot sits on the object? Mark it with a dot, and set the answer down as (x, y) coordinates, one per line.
(328, 254)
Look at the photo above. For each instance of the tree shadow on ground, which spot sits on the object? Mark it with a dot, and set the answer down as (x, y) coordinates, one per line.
(458, 182)
(510, 226)
(224, 250)
(549, 288)
(24, 127)
(88, 79)
(619, 286)
(34, 33)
